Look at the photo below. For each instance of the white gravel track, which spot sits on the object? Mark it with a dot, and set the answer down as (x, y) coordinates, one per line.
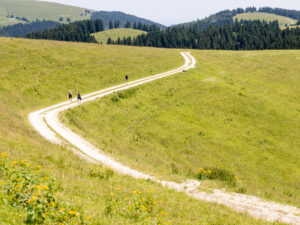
(46, 122)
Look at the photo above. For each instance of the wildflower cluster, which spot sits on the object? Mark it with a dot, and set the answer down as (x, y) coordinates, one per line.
(101, 172)
(203, 174)
(219, 174)
(26, 187)
(138, 206)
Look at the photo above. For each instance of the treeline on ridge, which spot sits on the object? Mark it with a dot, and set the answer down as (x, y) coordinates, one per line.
(249, 35)
(137, 26)
(79, 31)
(20, 29)
(107, 17)
(226, 16)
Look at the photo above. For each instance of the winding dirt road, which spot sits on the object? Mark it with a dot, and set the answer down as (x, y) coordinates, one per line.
(46, 122)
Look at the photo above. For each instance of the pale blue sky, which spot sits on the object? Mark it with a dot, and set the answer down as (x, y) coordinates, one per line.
(174, 11)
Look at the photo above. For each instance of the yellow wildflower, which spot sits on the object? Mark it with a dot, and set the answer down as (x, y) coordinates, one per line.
(72, 213)
(118, 189)
(112, 194)
(144, 208)
(163, 213)
(19, 185)
(89, 218)
(14, 162)
(45, 187)
(4, 155)
(33, 198)
(37, 187)
(62, 209)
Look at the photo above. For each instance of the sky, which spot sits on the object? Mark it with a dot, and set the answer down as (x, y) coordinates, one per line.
(170, 12)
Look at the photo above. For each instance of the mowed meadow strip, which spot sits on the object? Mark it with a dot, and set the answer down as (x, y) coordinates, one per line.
(35, 74)
(236, 116)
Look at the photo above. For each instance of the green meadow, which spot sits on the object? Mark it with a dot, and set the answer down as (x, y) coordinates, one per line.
(33, 10)
(237, 112)
(35, 74)
(114, 34)
(268, 17)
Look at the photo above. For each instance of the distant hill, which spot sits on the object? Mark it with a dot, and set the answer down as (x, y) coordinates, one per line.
(228, 16)
(11, 11)
(21, 29)
(114, 34)
(106, 17)
(282, 20)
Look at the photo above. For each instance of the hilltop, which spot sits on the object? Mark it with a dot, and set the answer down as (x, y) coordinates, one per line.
(12, 11)
(284, 16)
(114, 34)
(122, 18)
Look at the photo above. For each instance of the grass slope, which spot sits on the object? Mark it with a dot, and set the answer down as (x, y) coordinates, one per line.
(282, 20)
(114, 34)
(33, 10)
(237, 111)
(35, 74)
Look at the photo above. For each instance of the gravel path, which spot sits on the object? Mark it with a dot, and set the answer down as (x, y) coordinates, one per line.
(46, 121)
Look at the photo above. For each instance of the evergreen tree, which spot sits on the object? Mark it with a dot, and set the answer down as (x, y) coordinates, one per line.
(127, 24)
(134, 25)
(111, 26)
(117, 24)
(99, 25)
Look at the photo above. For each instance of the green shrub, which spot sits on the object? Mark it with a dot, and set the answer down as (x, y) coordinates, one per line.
(137, 206)
(27, 188)
(101, 172)
(217, 174)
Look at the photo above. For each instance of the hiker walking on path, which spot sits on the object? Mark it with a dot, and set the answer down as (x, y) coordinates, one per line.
(70, 96)
(79, 97)
(126, 78)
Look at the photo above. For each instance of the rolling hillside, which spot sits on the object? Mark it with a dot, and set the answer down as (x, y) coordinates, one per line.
(122, 17)
(228, 16)
(35, 74)
(114, 34)
(237, 112)
(282, 20)
(33, 10)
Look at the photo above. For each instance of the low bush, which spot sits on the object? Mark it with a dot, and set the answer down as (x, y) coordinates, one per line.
(25, 187)
(101, 172)
(217, 174)
(138, 206)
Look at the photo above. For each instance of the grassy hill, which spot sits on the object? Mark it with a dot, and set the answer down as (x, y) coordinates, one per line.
(114, 34)
(33, 10)
(237, 112)
(282, 20)
(107, 16)
(35, 74)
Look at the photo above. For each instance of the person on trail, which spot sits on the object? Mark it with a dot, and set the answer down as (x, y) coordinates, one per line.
(70, 96)
(126, 78)
(79, 97)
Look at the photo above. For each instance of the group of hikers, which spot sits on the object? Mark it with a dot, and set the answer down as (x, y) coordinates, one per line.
(79, 95)
(71, 96)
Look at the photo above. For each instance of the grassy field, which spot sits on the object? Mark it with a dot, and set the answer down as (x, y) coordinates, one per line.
(35, 74)
(114, 34)
(282, 20)
(237, 111)
(33, 10)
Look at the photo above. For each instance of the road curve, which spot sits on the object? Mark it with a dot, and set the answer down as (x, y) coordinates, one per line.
(46, 122)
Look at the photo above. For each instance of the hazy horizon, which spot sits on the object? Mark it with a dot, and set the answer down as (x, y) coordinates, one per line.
(169, 12)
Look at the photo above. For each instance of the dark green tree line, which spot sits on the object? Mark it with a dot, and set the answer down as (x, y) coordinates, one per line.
(79, 31)
(249, 35)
